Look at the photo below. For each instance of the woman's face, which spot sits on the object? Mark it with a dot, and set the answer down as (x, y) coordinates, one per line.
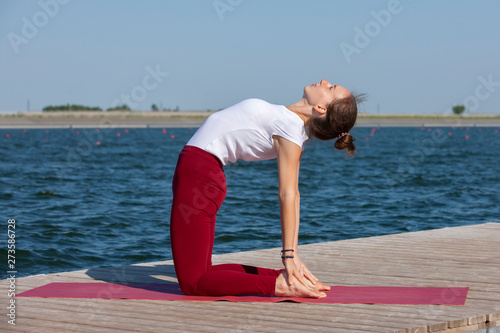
(324, 93)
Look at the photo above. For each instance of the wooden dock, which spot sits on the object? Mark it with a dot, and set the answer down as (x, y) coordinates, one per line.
(452, 257)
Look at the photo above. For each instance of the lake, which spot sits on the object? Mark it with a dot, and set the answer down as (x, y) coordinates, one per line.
(86, 198)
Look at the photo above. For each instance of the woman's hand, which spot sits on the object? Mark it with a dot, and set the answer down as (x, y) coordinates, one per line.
(310, 280)
(290, 283)
(292, 272)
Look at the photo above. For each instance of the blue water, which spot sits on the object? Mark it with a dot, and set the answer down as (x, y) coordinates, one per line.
(79, 204)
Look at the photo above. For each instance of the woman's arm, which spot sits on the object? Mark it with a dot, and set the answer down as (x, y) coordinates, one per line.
(297, 210)
(288, 156)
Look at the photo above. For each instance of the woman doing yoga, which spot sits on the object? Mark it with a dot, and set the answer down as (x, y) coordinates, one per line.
(252, 130)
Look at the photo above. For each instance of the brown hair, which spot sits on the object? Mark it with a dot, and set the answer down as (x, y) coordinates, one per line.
(339, 118)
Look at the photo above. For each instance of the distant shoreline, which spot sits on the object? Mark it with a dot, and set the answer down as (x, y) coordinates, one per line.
(187, 119)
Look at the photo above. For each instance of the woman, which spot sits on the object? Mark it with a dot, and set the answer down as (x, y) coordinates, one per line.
(252, 130)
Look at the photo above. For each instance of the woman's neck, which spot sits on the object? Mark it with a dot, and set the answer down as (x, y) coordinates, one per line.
(302, 109)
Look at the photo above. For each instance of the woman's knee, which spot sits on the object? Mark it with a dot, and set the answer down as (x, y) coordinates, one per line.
(187, 287)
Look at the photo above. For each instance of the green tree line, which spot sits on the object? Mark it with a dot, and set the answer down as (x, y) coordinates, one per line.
(77, 107)
(71, 107)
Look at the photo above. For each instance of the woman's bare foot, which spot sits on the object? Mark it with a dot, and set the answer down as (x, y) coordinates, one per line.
(296, 289)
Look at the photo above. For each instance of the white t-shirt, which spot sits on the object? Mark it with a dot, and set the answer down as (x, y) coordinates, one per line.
(245, 131)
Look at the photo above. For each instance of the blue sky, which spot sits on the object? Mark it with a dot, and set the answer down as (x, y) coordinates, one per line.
(408, 56)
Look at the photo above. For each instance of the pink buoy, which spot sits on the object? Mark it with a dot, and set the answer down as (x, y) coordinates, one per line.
(46, 131)
(25, 130)
(367, 138)
(437, 131)
(496, 131)
(164, 131)
(172, 136)
(118, 134)
(7, 135)
(429, 130)
(97, 130)
(77, 132)
(466, 136)
(449, 133)
(126, 130)
(98, 143)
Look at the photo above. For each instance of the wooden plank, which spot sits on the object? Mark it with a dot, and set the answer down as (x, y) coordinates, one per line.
(45, 326)
(286, 319)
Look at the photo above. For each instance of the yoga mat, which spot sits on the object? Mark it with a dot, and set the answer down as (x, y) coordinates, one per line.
(172, 292)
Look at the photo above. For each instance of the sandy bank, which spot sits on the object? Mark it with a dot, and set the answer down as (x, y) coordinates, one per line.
(196, 118)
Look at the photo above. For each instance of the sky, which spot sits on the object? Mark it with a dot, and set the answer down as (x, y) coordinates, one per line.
(408, 56)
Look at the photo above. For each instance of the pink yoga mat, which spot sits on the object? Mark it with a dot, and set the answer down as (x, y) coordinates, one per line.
(171, 292)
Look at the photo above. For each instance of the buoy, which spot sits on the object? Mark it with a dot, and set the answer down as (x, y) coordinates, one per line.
(437, 131)
(118, 134)
(449, 133)
(164, 131)
(7, 135)
(98, 143)
(24, 130)
(172, 136)
(126, 130)
(77, 132)
(466, 136)
(367, 138)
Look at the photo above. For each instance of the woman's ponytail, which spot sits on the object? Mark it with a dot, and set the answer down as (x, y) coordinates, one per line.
(346, 142)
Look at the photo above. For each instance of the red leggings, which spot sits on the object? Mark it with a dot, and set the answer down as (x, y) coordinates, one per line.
(199, 188)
